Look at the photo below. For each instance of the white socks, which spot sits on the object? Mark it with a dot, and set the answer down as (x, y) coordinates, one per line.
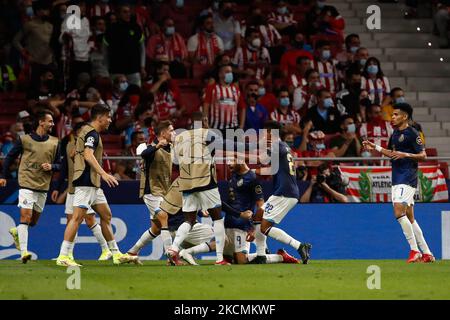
(182, 233)
(260, 240)
(283, 237)
(22, 230)
(219, 234)
(97, 231)
(113, 246)
(418, 234)
(408, 232)
(146, 238)
(201, 248)
(65, 248)
(271, 258)
(166, 238)
(72, 245)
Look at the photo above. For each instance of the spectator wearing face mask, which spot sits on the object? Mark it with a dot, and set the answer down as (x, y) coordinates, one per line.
(253, 60)
(99, 69)
(397, 95)
(348, 99)
(376, 129)
(347, 57)
(256, 114)
(181, 16)
(266, 98)
(326, 65)
(226, 26)
(325, 115)
(222, 103)
(33, 40)
(305, 97)
(347, 143)
(282, 19)
(270, 36)
(298, 48)
(205, 45)
(285, 115)
(169, 46)
(375, 82)
(316, 148)
(360, 58)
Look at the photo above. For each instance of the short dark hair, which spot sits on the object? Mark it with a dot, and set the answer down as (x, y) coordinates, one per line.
(301, 59)
(134, 134)
(394, 90)
(163, 125)
(99, 110)
(251, 83)
(405, 107)
(40, 116)
(345, 117)
(322, 43)
(324, 166)
(197, 116)
(282, 89)
(319, 93)
(349, 38)
(250, 30)
(309, 72)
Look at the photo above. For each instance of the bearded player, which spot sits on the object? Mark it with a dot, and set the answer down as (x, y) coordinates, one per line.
(405, 149)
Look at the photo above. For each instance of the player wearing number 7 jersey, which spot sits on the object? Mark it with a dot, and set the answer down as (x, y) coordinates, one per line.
(405, 149)
(284, 198)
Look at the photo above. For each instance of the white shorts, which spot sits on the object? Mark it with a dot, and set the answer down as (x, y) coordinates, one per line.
(34, 200)
(199, 233)
(69, 205)
(86, 197)
(153, 202)
(276, 208)
(236, 242)
(202, 200)
(402, 193)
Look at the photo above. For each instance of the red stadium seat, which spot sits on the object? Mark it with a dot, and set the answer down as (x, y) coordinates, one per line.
(329, 137)
(191, 101)
(431, 152)
(199, 71)
(444, 168)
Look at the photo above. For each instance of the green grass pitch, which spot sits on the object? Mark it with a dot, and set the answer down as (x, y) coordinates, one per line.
(341, 279)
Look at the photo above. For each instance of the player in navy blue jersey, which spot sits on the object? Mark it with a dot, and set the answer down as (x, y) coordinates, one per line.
(285, 197)
(245, 195)
(405, 150)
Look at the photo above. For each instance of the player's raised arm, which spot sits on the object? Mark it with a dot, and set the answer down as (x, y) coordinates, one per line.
(370, 146)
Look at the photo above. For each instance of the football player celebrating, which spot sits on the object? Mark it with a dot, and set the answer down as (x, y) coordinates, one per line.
(405, 150)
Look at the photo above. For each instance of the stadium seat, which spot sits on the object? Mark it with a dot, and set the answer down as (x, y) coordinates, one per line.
(199, 71)
(444, 168)
(191, 101)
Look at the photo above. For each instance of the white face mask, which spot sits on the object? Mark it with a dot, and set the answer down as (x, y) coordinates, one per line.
(351, 128)
(256, 43)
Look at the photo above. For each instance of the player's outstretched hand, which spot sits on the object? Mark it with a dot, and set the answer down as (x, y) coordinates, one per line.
(2, 182)
(247, 214)
(110, 180)
(46, 166)
(55, 195)
(369, 146)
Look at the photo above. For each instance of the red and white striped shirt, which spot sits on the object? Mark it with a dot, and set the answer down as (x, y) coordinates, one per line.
(377, 88)
(288, 18)
(377, 132)
(328, 74)
(290, 117)
(99, 10)
(259, 61)
(269, 34)
(223, 105)
(296, 81)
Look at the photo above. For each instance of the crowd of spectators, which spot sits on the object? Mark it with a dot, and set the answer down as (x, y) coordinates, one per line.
(239, 62)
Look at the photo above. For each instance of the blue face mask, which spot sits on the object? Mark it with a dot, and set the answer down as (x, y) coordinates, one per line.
(261, 91)
(400, 100)
(351, 128)
(320, 146)
(328, 103)
(123, 86)
(285, 102)
(170, 31)
(29, 11)
(362, 62)
(180, 3)
(282, 10)
(354, 49)
(372, 69)
(229, 77)
(326, 54)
